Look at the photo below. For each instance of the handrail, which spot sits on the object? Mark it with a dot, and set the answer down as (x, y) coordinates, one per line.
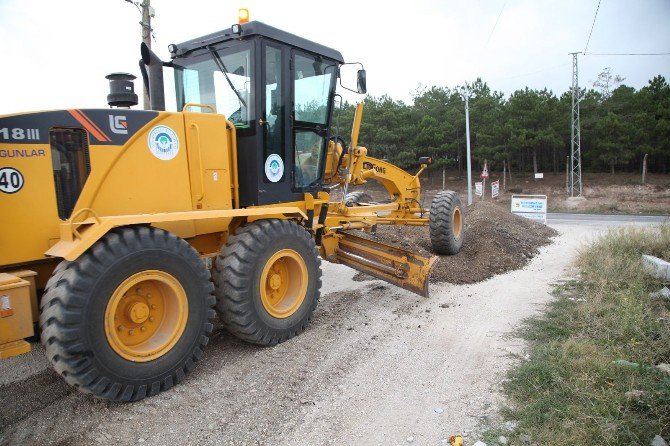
(194, 104)
(195, 127)
(71, 221)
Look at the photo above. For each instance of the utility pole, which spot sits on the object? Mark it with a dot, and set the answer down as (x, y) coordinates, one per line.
(465, 92)
(147, 14)
(147, 31)
(575, 135)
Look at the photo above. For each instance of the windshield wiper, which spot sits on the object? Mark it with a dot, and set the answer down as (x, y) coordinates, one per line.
(222, 68)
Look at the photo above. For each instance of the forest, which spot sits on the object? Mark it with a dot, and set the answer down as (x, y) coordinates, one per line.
(529, 130)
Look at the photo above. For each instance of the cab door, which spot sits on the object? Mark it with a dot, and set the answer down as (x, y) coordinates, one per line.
(313, 86)
(273, 121)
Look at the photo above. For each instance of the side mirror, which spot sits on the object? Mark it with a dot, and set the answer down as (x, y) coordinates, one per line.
(361, 83)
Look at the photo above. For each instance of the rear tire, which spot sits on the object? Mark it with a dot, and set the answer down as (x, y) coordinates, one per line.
(447, 223)
(130, 317)
(268, 280)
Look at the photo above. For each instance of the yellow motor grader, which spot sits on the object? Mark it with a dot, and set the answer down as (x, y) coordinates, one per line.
(129, 227)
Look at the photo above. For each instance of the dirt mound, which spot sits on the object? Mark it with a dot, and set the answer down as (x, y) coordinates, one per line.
(496, 241)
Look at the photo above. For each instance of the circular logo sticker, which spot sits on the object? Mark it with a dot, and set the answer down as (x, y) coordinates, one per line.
(274, 168)
(163, 142)
(11, 180)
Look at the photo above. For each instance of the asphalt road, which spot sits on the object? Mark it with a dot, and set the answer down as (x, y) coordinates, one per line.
(558, 218)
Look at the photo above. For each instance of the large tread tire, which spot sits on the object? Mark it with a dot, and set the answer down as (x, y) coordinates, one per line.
(354, 198)
(447, 223)
(237, 277)
(76, 297)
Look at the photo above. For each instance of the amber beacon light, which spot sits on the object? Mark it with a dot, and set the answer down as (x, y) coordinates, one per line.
(243, 15)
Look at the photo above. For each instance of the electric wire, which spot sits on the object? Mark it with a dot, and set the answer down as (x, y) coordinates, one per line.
(627, 54)
(531, 73)
(495, 25)
(592, 25)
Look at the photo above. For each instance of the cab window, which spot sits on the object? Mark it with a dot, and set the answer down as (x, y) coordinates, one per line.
(222, 79)
(312, 87)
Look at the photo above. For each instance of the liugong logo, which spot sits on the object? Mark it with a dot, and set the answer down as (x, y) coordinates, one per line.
(118, 124)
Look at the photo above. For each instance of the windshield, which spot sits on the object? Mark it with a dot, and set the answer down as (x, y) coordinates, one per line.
(220, 78)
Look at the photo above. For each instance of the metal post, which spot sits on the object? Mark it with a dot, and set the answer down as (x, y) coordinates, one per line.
(644, 168)
(444, 178)
(504, 188)
(575, 135)
(147, 13)
(467, 141)
(567, 175)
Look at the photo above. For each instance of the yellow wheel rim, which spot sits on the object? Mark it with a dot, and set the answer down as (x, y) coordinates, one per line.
(283, 283)
(146, 316)
(457, 222)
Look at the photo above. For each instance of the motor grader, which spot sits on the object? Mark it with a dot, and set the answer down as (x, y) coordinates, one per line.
(129, 227)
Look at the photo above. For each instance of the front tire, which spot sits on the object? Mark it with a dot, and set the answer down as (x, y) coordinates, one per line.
(447, 223)
(130, 317)
(268, 280)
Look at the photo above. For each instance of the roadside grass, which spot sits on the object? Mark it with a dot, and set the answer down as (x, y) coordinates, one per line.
(571, 390)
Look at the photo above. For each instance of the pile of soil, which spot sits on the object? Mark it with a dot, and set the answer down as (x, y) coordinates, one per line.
(496, 241)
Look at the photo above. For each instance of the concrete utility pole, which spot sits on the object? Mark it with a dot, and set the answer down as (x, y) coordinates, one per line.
(147, 31)
(465, 92)
(575, 140)
(147, 14)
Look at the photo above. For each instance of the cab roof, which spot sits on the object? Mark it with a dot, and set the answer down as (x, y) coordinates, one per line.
(256, 29)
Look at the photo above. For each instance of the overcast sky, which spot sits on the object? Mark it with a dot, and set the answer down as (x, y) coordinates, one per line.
(56, 53)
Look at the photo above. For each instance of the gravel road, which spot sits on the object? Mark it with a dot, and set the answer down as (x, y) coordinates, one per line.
(378, 365)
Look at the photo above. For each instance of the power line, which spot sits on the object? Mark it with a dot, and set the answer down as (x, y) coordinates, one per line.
(542, 70)
(627, 54)
(495, 24)
(592, 25)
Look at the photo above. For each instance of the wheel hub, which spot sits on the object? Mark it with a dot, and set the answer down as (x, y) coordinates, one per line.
(146, 316)
(283, 283)
(138, 312)
(275, 281)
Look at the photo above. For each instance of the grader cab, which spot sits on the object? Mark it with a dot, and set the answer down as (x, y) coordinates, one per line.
(129, 227)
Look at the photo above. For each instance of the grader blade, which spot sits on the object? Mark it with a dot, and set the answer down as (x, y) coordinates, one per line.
(394, 265)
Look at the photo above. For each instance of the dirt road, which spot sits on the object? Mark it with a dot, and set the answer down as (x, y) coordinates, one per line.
(378, 365)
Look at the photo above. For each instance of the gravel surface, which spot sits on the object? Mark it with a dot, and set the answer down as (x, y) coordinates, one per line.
(376, 366)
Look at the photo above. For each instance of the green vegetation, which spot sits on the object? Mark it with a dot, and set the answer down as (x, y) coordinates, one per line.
(591, 378)
(530, 130)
